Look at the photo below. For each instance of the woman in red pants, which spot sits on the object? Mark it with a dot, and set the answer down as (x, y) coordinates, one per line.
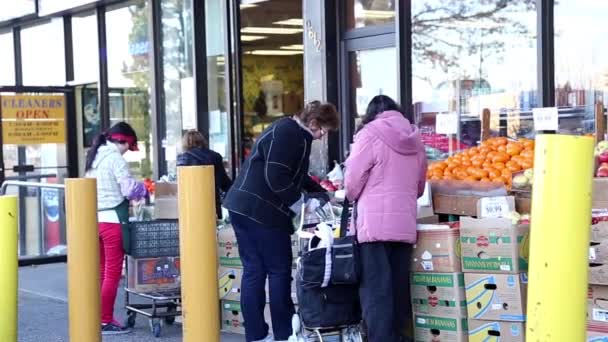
(115, 188)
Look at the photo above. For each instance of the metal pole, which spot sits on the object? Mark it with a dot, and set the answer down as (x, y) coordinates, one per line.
(83, 260)
(559, 250)
(8, 268)
(198, 243)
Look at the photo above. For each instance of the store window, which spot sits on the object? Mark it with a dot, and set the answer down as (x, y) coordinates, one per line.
(43, 54)
(179, 84)
(17, 9)
(581, 67)
(46, 7)
(468, 56)
(7, 59)
(362, 13)
(86, 51)
(219, 120)
(129, 71)
(272, 64)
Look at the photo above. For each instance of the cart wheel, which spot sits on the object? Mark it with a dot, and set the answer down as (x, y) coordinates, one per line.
(171, 309)
(131, 316)
(155, 327)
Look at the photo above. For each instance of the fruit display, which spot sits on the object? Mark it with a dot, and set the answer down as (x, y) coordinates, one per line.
(601, 157)
(523, 180)
(494, 160)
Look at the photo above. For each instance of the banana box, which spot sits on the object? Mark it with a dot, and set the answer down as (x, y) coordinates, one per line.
(500, 297)
(495, 331)
(232, 317)
(228, 247)
(437, 249)
(597, 336)
(439, 294)
(598, 252)
(440, 329)
(494, 245)
(598, 274)
(597, 304)
(153, 274)
(229, 283)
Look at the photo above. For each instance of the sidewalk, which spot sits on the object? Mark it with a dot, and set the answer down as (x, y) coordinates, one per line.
(43, 310)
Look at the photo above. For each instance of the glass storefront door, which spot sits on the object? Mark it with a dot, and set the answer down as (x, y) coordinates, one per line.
(35, 126)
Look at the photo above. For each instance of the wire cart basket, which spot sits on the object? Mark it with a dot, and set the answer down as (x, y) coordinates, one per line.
(154, 239)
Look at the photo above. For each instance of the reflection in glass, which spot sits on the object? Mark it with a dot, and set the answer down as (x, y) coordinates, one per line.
(581, 67)
(86, 59)
(468, 56)
(178, 67)
(129, 78)
(219, 121)
(361, 13)
(7, 59)
(369, 78)
(43, 54)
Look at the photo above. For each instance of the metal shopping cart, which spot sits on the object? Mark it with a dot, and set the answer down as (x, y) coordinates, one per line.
(158, 239)
(327, 312)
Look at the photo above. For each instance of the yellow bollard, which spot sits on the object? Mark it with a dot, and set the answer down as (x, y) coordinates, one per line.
(83, 260)
(198, 245)
(8, 268)
(559, 249)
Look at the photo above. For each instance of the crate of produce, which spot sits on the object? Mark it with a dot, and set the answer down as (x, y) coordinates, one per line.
(150, 239)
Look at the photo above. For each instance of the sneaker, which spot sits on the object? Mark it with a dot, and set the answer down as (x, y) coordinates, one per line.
(114, 328)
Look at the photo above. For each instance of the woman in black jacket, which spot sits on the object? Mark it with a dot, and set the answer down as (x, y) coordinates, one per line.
(265, 197)
(197, 152)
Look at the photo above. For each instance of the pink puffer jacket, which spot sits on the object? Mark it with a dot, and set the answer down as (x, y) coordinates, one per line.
(385, 174)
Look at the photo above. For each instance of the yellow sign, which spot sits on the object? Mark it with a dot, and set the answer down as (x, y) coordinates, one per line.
(33, 119)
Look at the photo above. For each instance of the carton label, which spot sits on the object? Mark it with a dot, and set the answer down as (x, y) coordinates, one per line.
(440, 323)
(492, 264)
(440, 280)
(600, 315)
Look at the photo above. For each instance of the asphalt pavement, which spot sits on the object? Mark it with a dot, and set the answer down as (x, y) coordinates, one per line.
(43, 310)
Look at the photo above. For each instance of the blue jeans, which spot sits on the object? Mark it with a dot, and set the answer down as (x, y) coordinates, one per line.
(265, 253)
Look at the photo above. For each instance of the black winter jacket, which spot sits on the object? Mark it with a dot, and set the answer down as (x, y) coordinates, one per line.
(273, 177)
(205, 156)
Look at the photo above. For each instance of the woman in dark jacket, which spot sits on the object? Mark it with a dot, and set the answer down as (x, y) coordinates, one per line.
(197, 152)
(262, 203)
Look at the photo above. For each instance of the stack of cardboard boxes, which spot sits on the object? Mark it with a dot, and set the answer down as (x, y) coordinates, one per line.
(494, 262)
(597, 303)
(437, 285)
(230, 273)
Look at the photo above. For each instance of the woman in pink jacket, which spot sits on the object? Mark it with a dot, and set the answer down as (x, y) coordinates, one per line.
(385, 175)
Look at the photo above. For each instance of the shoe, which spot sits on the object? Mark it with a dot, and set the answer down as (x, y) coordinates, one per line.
(114, 328)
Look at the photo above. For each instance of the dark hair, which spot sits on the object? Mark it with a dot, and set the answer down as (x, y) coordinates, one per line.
(325, 114)
(101, 139)
(378, 105)
(192, 139)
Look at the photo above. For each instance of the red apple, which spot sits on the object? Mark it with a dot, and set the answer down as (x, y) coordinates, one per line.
(603, 157)
(602, 172)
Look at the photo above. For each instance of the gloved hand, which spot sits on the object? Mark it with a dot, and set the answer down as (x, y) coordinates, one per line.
(322, 197)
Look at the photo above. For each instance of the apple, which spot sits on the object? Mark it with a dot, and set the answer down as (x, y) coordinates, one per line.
(603, 157)
(602, 172)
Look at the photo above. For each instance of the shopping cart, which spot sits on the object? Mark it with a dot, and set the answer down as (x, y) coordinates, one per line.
(326, 313)
(153, 239)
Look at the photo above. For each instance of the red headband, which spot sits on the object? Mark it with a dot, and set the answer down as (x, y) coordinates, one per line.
(126, 138)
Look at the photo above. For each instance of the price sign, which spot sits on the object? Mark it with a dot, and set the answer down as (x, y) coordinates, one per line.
(545, 119)
(446, 124)
(495, 207)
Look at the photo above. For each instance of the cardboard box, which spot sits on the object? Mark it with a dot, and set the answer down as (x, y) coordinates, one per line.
(228, 247)
(438, 329)
(482, 331)
(165, 201)
(232, 317)
(597, 305)
(500, 297)
(229, 283)
(599, 232)
(493, 245)
(600, 193)
(598, 274)
(153, 274)
(439, 294)
(437, 250)
(596, 336)
(598, 252)
(455, 204)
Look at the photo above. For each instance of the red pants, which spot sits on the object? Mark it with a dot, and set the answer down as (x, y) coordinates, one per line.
(111, 256)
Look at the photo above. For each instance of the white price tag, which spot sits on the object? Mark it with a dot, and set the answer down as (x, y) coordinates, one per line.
(600, 315)
(446, 124)
(494, 207)
(592, 254)
(545, 119)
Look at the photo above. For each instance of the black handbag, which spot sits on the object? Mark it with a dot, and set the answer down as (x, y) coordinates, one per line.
(345, 252)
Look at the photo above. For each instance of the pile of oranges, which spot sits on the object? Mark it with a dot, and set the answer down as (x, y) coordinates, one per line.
(495, 160)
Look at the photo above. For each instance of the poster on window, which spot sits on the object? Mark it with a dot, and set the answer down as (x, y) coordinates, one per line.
(91, 118)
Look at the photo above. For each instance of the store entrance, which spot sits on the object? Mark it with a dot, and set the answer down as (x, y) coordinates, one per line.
(38, 146)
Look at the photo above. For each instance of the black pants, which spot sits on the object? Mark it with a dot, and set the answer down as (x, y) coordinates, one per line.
(385, 290)
(265, 253)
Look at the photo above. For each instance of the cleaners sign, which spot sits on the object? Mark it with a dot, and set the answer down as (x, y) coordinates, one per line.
(33, 119)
